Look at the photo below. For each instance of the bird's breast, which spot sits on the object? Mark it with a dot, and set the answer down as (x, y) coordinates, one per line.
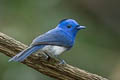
(55, 50)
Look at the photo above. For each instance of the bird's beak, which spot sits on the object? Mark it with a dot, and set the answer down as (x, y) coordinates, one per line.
(81, 27)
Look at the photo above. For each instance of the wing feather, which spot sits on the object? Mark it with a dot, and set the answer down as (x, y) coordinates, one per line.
(54, 37)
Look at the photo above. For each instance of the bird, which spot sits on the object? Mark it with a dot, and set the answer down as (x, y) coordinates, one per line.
(54, 42)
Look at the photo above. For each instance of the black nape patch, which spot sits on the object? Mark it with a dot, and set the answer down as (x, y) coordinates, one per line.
(63, 20)
(77, 25)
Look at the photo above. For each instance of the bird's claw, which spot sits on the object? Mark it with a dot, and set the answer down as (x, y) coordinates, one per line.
(62, 62)
(46, 57)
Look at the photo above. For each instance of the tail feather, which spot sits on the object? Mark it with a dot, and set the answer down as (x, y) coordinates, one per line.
(25, 53)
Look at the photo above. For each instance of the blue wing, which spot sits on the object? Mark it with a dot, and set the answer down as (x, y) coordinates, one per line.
(54, 37)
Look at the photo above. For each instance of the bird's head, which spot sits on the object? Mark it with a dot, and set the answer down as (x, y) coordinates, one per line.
(70, 26)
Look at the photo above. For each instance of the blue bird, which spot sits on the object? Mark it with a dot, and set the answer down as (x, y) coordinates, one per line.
(53, 42)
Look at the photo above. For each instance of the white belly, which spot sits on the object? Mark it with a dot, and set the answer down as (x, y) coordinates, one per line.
(55, 50)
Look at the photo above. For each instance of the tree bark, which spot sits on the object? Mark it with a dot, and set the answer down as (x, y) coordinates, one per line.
(11, 47)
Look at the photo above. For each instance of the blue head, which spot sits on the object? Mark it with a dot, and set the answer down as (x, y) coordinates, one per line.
(70, 26)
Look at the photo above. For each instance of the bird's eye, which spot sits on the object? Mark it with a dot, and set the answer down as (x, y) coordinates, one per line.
(69, 26)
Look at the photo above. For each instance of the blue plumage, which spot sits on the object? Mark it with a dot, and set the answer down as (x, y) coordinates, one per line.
(55, 37)
(54, 42)
(25, 53)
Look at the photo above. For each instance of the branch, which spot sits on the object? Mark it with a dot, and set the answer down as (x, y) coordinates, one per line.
(11, 47)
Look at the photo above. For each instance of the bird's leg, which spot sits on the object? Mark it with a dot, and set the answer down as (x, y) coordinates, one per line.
(47, 56)
(61, 60)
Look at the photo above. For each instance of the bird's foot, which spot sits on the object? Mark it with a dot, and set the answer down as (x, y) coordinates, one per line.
(46, 56)
(62, 62)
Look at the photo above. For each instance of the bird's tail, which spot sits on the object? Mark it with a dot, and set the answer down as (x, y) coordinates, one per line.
(25, 53)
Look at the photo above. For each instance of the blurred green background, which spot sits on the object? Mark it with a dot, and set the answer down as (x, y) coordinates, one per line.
(97, 48)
